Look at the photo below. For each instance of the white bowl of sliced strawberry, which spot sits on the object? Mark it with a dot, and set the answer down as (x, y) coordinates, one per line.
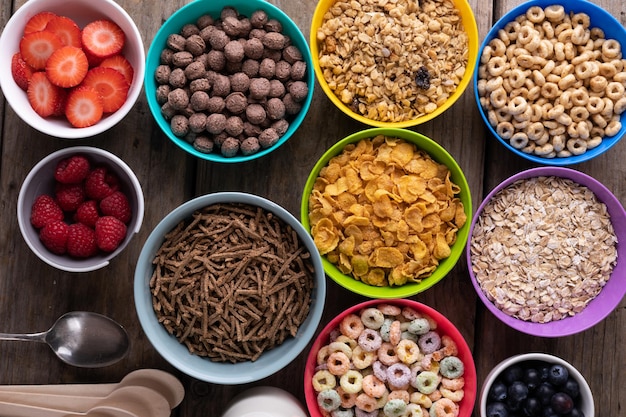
(79, 207)
(71, 68)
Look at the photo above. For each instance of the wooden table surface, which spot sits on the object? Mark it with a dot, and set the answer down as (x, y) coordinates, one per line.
(33, 294)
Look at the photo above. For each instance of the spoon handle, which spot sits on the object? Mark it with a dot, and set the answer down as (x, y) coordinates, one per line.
(31, 337)
(90, 390)
(20, 410)
(68, 403)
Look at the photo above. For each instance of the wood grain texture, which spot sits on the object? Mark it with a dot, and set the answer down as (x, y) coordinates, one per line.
(33, 295)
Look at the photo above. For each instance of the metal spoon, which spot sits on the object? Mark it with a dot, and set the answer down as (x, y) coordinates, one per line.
(82, 339)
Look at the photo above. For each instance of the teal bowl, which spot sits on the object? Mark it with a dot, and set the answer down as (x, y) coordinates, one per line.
(189, 14)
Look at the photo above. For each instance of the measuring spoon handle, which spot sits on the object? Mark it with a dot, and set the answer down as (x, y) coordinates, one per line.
(91, 390)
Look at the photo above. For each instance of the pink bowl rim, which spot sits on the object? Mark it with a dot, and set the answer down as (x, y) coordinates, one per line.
(448, 328)
(613, 292)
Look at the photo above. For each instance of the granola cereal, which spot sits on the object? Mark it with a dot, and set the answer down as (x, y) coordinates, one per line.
(543, 248)
(393, 60)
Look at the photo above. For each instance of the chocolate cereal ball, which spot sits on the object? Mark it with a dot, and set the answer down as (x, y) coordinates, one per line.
(203, 144)
(275, 108)
(234, 51)
(199, 100)
(273, 25)
(189, 30)
(251, 129)
(178, 99)
(176, 42)
(204, 21)
(177, 78)
(298, 70)
(259, 88)
(179, 125)
(239, 82)
(197, 122)
(234, 126)
(221, 86)
(195, 44)
(277, 89)
(250, 67)
(255, 113)
(162, 74)
(292, 107)
(231, 26)
(267, 68)
(249, 146)
(253, 48)
(216, 104)
(268, 138)
(283, 70)
(215, 123)
(195, 70)
(258, 19)
(201, 84)
(298, 90)
(162, 92)
(292, 54)
(215, 60)
(280, 126)
(236, 102)
(182, 59)
(274, 40)
(230, 147)
(218, 39)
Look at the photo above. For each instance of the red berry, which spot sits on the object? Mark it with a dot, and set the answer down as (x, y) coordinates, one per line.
(72, 170)
(43, 96)
(67, 66)
(110, 232)
(38, 22)
(111, 85)
(45, 210)
(81, 241)
(36, 48)
(66, 29)
(103, 38)
(87, 213)
(21, 71)
(116, 205)
(84, 107)
(54, 236)
(69, 196)
(100, 183)
(120, 63)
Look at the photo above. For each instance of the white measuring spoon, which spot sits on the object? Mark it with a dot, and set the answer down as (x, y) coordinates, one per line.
(163, 382)
(137, 400)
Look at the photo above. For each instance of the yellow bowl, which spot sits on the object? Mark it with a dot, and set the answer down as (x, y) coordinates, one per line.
(469, 24)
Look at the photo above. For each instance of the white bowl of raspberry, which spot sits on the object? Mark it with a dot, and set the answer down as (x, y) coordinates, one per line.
(59, 77)
(79, 207)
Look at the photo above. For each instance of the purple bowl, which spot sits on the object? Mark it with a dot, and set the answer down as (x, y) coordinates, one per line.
(612, 293)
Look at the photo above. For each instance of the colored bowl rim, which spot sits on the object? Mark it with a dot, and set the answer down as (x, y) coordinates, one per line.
(448, 328)
(470, 26)
(609, 24)
(196, 8)
(457, 175)
(606, 300)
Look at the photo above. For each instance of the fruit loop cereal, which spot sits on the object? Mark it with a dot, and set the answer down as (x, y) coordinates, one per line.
(385, 212)
(388, 361)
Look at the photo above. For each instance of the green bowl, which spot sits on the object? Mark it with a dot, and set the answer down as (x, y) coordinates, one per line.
(439, 154)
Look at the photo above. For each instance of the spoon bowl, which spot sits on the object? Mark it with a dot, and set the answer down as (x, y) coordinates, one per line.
(82, 339)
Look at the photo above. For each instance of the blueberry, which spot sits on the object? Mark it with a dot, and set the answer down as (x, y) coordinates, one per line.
(498, 391)
(571, 388)
(532, 407)
(575, 413)
(513, 373)
(558, 375)
(548, 412)
(497, 409)
(544, 392)
(532, 378)
(518, 391)
(513, 405)
(544, 372)
(562, 403)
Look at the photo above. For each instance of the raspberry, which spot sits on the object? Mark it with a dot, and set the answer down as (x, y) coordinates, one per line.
(81, 241)
(72, 170)
(69, 196)
(110, 232)
(116, 205)
(100, 183)
(44, 210)
(54, 236)
(87, 213)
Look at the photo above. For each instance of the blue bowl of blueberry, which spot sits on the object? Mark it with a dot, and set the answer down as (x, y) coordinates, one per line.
(535, 384)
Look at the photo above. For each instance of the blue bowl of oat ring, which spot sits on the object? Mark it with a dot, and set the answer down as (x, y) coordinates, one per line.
(550, 82)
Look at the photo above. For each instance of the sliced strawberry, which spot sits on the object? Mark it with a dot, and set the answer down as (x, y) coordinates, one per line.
(67, 66)
(120, 63)
(21, 71)
(66, 29)
(103, 38)
(111, 85)
(36, 48)
(83, 107)
(59, 109)
(38, 22)
(43, 96)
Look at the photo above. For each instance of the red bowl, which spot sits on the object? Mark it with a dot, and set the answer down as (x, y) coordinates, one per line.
(444, 327)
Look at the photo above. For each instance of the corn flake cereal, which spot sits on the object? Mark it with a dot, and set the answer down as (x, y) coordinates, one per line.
(384, 212)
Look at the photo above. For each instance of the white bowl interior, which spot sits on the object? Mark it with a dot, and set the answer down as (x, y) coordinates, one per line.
(40, 180)
(82, 12)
